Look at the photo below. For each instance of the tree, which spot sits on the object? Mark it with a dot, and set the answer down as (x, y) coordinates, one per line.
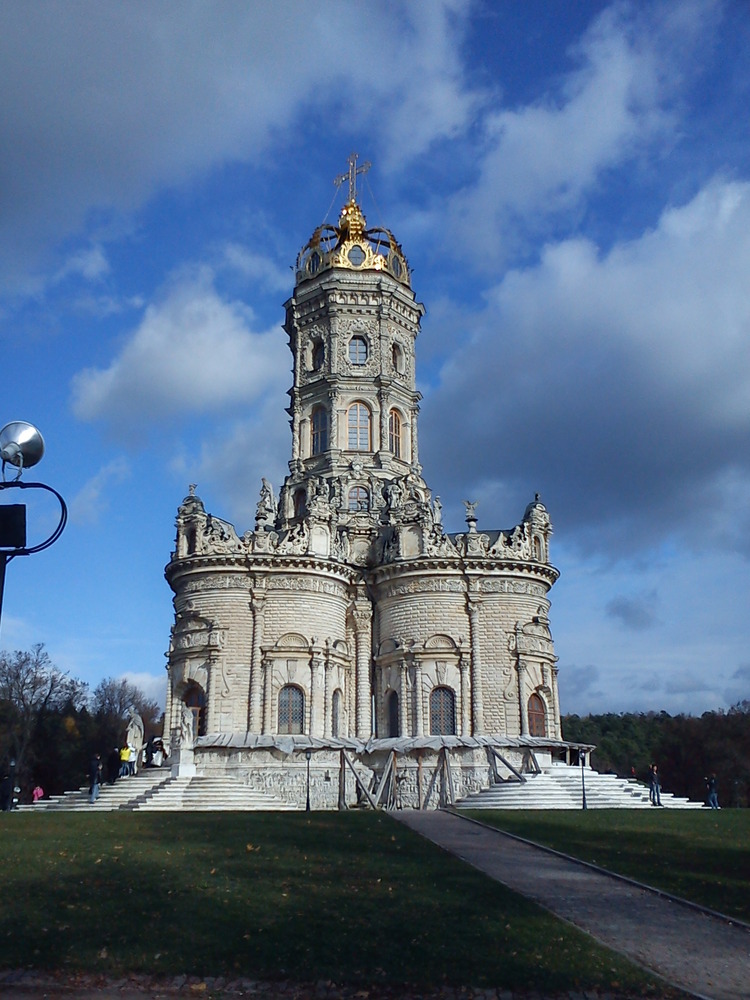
(110, 702)
(31, 686)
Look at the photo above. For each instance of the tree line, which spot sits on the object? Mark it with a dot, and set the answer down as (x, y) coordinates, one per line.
(687, 748)
(51, 724)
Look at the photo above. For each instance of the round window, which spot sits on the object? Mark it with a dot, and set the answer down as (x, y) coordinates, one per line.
(356, 256)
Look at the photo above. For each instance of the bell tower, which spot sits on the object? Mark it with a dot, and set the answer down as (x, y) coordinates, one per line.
(352, 324)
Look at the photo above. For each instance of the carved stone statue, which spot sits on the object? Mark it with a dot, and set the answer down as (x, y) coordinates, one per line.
(135, 735)
(187, 728)
(135, 731)
(266, 510)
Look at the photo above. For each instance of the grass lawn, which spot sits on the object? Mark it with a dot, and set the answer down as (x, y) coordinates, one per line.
(351, 897)
(703, 856)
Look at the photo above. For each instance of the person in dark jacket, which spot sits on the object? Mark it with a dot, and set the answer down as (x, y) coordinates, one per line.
(654, 783)
(712, 787)
(113, 765)
(95, 777)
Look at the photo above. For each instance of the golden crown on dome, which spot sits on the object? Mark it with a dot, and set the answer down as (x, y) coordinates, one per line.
(351, 244)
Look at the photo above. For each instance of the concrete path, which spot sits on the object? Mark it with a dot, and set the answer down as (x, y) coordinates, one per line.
(699, 953)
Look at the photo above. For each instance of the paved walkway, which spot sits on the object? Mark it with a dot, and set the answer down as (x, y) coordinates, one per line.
(705, 955)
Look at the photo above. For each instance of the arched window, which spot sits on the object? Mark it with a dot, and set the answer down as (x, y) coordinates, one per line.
(291, 709)
(336, 720)
(391, 705)
(359, 498)
(442, 712)
(319, 430)
(394, 433)
(300, 499)
(397, 356)
(537, 548)
(318, 355)
(358, 350)
(195, 699)
(537, 716)
(358, 423)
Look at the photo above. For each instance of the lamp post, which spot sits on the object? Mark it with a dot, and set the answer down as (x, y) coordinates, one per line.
(582, 757)
(22, 446)
(308, 755)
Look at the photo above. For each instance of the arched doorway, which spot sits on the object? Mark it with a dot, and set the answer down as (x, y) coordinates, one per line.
(391, 706)
(195, 699)
(537, 716)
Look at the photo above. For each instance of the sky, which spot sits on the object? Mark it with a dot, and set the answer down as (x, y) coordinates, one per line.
(571, 186)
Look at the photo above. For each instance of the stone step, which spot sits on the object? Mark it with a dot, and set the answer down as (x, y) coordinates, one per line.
(111, 797)
(203, 794)
(560, 787)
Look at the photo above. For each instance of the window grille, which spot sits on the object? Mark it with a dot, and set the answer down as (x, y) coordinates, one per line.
(291, 710)
(442, 712)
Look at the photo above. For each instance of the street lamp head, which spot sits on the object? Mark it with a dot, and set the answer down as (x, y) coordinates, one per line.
(21, 445)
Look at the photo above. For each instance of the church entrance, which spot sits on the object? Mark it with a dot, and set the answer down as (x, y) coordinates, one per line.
(537, 718)
(195, 699)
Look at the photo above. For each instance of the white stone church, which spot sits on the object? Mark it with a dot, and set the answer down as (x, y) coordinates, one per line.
(347, 649)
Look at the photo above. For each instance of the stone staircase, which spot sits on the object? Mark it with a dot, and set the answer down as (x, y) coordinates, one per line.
(155, 789)
(201, 794)
(559, 787)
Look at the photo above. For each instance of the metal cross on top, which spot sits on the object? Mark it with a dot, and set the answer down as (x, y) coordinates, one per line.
(352, 175)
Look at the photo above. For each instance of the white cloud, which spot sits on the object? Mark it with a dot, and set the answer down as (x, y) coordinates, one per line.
(91, 500)
(256, 266)
(618, 385)
(154, 686)
(106, 104)
(193, 352)
(541, 159)
(229, 464)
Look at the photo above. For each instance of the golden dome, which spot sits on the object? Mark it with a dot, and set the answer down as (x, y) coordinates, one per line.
(351, 244)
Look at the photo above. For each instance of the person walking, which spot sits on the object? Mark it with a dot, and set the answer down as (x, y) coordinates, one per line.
(654, 782)
(712, 787)
(113, 765)
(95, 777)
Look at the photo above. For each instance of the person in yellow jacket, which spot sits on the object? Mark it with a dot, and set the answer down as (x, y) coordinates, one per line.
(124, 758)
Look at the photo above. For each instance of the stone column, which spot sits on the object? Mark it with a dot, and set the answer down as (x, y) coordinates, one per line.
(363, 637)
(404, 720)
(463, 667)
(418, 701)
(317, 722)
(333, 422)
(384, 443)
(413, 437)
(477, 705)
(327, 693)
(256, 665)
(267, 694)
(522, 668)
